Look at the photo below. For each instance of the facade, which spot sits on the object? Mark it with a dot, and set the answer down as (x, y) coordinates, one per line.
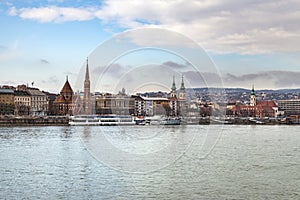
(106, 104)
(139, 106)
(63, 103)
(150, 106)
(39, 102)
(7, 101)
(51, 98)
(290, 107)
(22, 103)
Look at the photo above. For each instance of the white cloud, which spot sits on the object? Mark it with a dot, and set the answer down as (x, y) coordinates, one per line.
(56, 14)
(232, 26)
(248, 27)
(12, 11)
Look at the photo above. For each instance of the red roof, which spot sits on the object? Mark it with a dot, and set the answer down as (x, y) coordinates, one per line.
(266, 103)
(67, 89)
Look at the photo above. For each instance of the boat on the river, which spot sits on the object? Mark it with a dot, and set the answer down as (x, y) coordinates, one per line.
(171, 121)
(101, 120)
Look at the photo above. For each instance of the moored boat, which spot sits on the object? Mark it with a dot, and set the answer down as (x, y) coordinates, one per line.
(101, 120)
(171, 121)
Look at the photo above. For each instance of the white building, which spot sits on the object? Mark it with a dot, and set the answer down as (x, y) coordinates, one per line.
(39, 102)
(22, 103)
(291, 107)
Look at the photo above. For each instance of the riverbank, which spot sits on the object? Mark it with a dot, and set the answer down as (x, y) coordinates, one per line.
(64, 121)
(34, 121)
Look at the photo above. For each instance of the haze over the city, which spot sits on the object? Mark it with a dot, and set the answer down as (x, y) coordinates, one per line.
(250, 42)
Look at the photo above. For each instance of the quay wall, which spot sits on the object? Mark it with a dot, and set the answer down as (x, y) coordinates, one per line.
(34, 121)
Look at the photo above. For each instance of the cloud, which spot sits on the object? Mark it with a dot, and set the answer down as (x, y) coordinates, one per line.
(54, 14)
(44, 61)
(50, 80)
(8, 82)
(114, 69)
(12, 11)
(232, 26)
(174, 65)
(267, 79)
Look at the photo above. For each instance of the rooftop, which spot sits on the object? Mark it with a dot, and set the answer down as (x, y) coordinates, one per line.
(6, 91)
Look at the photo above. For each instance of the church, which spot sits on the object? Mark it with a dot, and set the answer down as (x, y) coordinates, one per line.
(63, 103)
(258, 109)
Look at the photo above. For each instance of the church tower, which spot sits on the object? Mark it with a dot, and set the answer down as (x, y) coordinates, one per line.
(253, 97)
(173, 89)
(87, 91)
(182, 90)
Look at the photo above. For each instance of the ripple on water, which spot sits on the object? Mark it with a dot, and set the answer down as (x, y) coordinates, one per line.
(247, 162)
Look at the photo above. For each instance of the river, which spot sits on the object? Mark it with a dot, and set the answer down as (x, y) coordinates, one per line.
(141, 162)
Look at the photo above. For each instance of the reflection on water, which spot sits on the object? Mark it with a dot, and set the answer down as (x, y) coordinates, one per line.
(55, 162)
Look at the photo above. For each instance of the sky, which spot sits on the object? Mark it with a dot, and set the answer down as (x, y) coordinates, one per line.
(248, 42)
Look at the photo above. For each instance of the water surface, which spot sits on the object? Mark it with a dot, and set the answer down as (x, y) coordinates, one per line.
(248, 162)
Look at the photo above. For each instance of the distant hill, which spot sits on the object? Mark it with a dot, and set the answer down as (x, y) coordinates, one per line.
(241, 90)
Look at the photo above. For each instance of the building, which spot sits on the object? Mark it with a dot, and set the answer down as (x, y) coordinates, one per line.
(120, 104)
(63, 103)
(51, 98)
(39, 102)
(257, 109)
(290, 107)
(139, 106)
(22, 103)
(7, 101)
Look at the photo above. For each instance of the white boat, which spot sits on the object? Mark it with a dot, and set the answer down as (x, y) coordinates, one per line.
(172, 121)
(160, 120)
(101, 120)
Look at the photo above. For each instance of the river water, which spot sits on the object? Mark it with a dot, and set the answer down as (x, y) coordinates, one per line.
(141, 162)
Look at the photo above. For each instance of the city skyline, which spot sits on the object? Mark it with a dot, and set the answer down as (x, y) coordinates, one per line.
(249, 42)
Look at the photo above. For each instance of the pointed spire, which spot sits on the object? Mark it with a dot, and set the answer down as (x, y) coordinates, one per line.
(87, 76)
(253, 91)
(67, 78)
(173, 85)
(182, 84)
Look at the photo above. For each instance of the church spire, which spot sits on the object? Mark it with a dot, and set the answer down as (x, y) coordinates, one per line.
(182, 84)
(252, 97)
(173, 85)
(182, 90)
(87, 74)
(173, 89)
(253, 92)
(87, 90)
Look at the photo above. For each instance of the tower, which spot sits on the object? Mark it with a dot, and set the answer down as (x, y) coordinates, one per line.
(253, 97)
(173, 99)
(63, 103)
(173, 89)
(67, 91)
(87, 91)
(182, 90)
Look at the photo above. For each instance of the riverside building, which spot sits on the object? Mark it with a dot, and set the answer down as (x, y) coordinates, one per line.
(7, 102)
(290, 107)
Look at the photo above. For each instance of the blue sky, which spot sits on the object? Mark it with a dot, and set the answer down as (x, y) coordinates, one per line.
(251, 42)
